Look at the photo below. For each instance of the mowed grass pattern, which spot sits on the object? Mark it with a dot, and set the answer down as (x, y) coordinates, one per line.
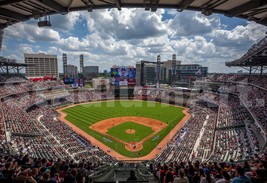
(119, 131)
(84, 115)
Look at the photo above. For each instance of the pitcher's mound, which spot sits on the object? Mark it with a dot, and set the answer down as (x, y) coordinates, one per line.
(130, 131)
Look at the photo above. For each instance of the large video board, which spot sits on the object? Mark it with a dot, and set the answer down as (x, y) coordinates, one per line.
(123, 76)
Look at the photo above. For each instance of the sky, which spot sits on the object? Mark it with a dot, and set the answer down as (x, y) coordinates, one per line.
(110, 37)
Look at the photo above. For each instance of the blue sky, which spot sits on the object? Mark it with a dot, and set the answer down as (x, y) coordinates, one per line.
(112, 37)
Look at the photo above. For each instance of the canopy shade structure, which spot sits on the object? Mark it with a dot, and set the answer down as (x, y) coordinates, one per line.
(11, 64)
(254, 60)
(14, 11)
(255, 56)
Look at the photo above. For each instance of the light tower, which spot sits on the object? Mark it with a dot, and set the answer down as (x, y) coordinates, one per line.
(65, 63)
(81, 64)
(158, 72)
(174, 69)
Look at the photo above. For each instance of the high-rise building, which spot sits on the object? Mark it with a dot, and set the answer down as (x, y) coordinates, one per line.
(43, 65)
(90, 72)
(72, 70)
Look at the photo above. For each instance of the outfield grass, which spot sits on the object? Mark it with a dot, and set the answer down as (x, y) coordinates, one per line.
(84, 115)
(119, 132)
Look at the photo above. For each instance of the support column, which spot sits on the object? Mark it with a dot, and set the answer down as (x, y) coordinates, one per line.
(250, 69)
(261, 69)
(7, 71)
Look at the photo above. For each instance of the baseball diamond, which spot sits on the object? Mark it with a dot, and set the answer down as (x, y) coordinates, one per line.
(128, 129)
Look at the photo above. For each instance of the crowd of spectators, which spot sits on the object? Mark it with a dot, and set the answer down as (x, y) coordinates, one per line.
(257, 80)
(225, 129)
(253, 98)
(252, 171)
(219, 129)
(12, 78)
(182, 144)
(204, 149)
(23, 168)
(80, 96)
(256, 101)
(15, 88)
(48, 84)
(166, 95)
(18, 121)
(232, 113)
(235, 134)
(74, 144)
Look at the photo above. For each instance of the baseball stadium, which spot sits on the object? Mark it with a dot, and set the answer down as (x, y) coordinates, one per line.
(152, 121)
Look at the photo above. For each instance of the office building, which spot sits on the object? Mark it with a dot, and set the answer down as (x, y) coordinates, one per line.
(71, 70)
(187, 73)
(44, 65)
(171, 72)
(90, 72)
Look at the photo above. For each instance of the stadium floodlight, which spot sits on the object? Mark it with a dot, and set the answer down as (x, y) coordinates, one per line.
(45, 22)
(147, 8)
(90, 9)
(147, 5)
(206, 12)
(251, 18)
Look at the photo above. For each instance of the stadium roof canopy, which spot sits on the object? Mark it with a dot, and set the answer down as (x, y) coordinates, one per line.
(255, 56)
(5, 62)
(13, 11)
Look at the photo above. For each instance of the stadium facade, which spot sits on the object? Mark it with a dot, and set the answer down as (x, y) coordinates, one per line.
(170, 72)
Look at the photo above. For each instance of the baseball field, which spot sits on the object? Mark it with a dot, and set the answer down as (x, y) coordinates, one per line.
(130, 128)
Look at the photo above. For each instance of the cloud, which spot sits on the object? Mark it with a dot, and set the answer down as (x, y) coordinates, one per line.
(25, 48)
(241, 37)
(128, 36)
(192, 23)
(64, 22)
(126, 24)
(31, 32)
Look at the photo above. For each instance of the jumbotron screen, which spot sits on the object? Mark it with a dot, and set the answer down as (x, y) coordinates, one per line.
(123, 76)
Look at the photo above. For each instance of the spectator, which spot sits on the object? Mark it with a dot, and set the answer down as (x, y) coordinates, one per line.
(226, 177)
(261, 176)
(182, 178)
(71, 177)
(241, 178)
(207, 178)
(168, 178)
